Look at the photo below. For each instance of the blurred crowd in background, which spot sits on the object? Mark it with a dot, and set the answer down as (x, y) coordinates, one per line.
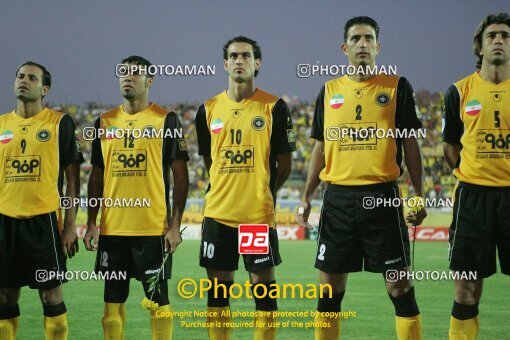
(438, 178)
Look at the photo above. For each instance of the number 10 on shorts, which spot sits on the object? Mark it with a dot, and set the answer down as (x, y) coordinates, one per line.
(253, 239)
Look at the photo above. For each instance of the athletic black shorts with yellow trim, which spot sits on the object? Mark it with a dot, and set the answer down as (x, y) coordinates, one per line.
(354, 234)
(31, 253)
(140, 257)
(219, 249)
(481, 223)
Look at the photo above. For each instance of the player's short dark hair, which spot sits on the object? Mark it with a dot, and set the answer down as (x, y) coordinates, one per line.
(501, 18)
(361, 21)
(46, 80)
(257, 52)
(137, 60)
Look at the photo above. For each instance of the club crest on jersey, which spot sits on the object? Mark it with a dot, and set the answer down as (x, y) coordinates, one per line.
(258, 123)
(473, 107)
(382, 99)
(336, 101)
(43, 135)
(6, 136)
(216, 125)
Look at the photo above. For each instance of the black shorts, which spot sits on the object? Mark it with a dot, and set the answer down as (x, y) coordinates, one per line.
(31, 252)
(481, 223)
(140, 257)
(219, 249)
(352, 237)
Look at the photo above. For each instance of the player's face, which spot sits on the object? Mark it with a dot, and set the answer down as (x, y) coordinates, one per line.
(241, 63)
(134, 86)
(496, 44)
(28, 84)
(361, 47)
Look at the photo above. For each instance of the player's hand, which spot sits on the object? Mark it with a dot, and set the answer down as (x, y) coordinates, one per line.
(302, 215)
(417, 212)
(416, 218)
(172, 239)
(69, 241)
(91, 238)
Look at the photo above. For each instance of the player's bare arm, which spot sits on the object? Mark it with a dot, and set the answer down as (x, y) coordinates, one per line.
(283, 168)
(451, 154)
(69, 238)
(317, 163)
(412, 158)
(180, 194)
(95, 190)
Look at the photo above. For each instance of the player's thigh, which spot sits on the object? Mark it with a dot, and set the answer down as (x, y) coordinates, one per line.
(262, 276)
(261, 266)
(384, 233)
(337, 282)
(339, 247)
(149, 258)
(51, 297)
(220, 275)
(11, 257)
(9, 296)
(218, 246)
(503, 230)
(44, 261)
(114, 255)
(396, 284)
(471, 238)
(468, 292)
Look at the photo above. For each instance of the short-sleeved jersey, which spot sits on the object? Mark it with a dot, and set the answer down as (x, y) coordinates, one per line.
(477, 116)
(34, 153)
(137, 168)
(345, 114)
(243, 140)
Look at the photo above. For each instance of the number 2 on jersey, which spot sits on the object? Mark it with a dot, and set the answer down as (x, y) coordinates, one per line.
(358, 112)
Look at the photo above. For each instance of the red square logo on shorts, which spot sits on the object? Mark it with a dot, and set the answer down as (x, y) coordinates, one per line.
(253, 239)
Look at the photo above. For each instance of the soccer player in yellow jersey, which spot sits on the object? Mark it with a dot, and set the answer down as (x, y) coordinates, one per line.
(353, 232)
(246, 137)
(476, 136)
(133, 161)
(38, 146)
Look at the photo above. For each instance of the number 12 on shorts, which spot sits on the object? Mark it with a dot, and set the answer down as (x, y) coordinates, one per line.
(253, 239)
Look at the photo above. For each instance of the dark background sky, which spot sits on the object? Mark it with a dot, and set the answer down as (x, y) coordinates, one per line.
(81, 41)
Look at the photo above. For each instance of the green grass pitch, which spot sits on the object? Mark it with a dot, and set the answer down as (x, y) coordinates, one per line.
(366, 295)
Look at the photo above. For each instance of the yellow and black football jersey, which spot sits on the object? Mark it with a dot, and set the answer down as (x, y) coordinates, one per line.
(34, 153)
(347, 115)
(477, 116)
(243, 139)
(137, 168)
